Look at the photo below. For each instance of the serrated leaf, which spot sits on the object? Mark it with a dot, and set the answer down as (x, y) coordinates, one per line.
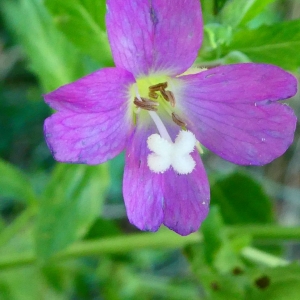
(241, 200)
(82, 21)
(15, 184)
(52, 57)
(72, 201)
(276, 44)
(240, 12)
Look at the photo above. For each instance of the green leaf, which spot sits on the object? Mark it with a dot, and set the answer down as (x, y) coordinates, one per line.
(219, 5)
(240, 12)
(211, 8)
(235, 57)
(215, 260)
(213, 234)
(72, 201)
(216, 285)
(241, 200)
(15, 184)
(220, 252)
(82, 21)
(102, 228)
(208, 10)
(217, 34)
(276, 44)
(288, 289)
(26, 283)
(52, 57)
(279, 283)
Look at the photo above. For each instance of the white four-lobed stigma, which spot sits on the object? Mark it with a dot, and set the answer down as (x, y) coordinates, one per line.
(166, 154)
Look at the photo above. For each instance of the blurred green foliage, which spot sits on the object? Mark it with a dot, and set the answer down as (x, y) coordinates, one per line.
(72, 200)
(83, 23)
(63, 228)
(241, 200)
(52, 57)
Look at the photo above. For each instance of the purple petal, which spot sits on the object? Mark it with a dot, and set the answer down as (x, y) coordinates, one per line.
(186, 199)
(93, 122)
(231, 112)
(242, 83)
(100, 91)
(154, 36)
(178, 201)
(142, 188)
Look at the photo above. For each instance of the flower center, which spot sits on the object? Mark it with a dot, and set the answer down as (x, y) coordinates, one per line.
(154, 95)
(154, 92)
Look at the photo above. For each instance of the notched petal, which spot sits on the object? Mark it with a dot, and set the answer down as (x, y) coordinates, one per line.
(93, 121)
(180, 202)
(154, 36)
(186, 199)
(142, 187)
(93, 93)
(234, 112)
(86, 138)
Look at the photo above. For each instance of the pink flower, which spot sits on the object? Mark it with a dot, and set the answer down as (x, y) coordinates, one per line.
(142, 105)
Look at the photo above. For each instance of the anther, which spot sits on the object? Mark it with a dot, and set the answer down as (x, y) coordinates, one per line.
(178, 120)
(153, 95)
(171, 98)
(146, 100)
(158, 87)
(168, 96)
(164, 94)
(146, 104)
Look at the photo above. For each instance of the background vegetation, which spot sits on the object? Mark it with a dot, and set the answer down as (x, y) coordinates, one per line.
(63, 228)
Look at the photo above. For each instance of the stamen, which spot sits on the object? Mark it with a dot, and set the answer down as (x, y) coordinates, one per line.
(199, 148)
(160, 126)
(153, 95)
(164, 94)
(137, 91)
(158, 87)
(146, 100)
(151, 106)
(171, 98)
(178, 120)
(146, 104)
(168, 96)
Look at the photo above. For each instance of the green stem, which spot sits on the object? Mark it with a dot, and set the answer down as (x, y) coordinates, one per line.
(266, 232)
(163, 239)
(263, 258)
(162, 287)
(160, 240)
(17, 260)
